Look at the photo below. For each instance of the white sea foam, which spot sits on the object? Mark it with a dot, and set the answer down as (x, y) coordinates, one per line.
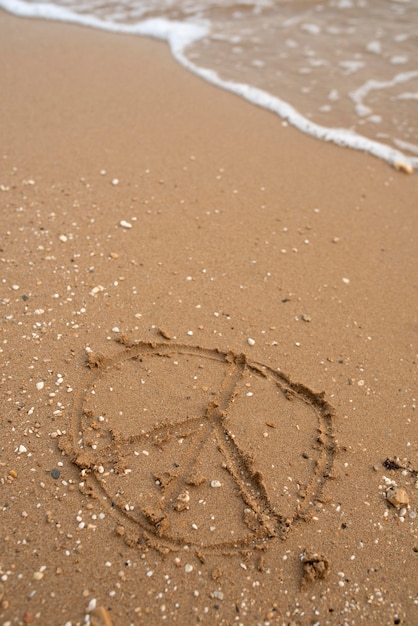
(196, 31)
(374, 46)
(339, 136)
(362, 92)
(408, 96)
(178, 34)
(404, 145)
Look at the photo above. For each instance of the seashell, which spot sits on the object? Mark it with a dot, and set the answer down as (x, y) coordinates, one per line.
(397, 496)
(403, 166)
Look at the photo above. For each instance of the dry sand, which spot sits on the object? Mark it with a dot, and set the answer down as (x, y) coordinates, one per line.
(233, 467)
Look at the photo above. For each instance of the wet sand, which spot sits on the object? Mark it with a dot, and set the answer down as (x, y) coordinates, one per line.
(208, 352)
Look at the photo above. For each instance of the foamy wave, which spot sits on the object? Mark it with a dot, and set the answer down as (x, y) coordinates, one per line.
(340, 136)
(179, 36)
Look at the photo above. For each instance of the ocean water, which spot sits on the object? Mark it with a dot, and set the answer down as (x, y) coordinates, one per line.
(344, 71)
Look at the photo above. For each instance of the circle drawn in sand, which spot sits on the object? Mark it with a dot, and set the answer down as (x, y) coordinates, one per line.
(198, 447)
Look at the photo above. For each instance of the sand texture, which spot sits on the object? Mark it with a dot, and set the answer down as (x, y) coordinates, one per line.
(208, 352)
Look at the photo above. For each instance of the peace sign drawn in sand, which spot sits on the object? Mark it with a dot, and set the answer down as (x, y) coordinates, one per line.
(192, 446)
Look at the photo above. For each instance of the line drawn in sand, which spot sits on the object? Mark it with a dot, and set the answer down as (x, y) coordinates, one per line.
(198, 447)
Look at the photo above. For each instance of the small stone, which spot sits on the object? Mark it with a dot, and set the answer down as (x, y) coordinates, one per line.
(115, 181)
(250, 341)
(63, 238)
(188, 568)
(55, 473)
(397, 496)
(215, 483)
(218, 595)
(114, 255)
(38, 575)
(40, 385)
(164, 333)
(125, 224)
(12, 473)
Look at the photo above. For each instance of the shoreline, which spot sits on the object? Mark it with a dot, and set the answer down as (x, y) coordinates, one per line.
(203, 222)
(178, 38)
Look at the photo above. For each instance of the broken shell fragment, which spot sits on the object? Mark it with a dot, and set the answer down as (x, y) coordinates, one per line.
(397, 496)
(403, 166)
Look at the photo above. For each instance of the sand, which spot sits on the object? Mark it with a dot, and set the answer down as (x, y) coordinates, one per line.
(208, 363)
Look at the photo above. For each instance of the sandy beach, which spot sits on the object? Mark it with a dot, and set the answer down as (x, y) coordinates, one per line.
(208, 352)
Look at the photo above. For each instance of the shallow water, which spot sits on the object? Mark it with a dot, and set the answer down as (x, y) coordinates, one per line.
(342, 70)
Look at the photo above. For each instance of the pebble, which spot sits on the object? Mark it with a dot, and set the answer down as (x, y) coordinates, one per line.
(188, 568)
(38, 575)
(397, 496)
(250, 341)
(55, 473)
(215, 483)
(40, 385)
(125, 224)
(63, 238)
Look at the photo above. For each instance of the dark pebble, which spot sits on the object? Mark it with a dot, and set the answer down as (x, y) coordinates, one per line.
(55, 473)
